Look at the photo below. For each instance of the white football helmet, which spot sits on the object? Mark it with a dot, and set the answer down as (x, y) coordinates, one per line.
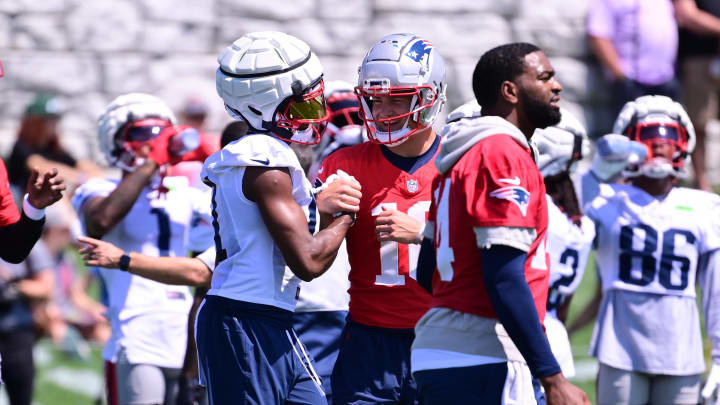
(401, 65)
(131, 118)
(273, 82)
(653, 120)
(561, 146)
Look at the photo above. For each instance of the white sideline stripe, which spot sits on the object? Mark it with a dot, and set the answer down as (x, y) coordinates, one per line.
(84, 382)
(585, 370)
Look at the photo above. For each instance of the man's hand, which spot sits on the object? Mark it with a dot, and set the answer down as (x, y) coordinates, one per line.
(559, 391)
(393, 225)
(340, 195)
(614, 153)
(44, 190)
(710, 392)
(99, 253)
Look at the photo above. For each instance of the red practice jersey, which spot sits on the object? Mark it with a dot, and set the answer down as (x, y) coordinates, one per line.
(383, 290)
(494, 184)
(9, 213)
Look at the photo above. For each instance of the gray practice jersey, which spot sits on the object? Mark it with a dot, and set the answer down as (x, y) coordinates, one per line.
(650, 254)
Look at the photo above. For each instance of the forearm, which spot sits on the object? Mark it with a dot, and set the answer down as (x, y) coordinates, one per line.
(510, 295)
(170, 270)
(103, 216)
(606, 54)
(322, 249)
(692, 18)
(19, 238)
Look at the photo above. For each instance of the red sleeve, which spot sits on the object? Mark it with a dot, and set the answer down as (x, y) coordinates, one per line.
(328, 167)
(9, 213)
(504, 184)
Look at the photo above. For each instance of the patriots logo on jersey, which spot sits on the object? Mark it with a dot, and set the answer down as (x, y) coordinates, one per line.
(412, 186)
(418, 50)
(515, 194)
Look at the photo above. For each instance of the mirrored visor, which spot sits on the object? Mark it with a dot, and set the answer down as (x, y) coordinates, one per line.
(308, 109)
(145, 130)
(659, 132)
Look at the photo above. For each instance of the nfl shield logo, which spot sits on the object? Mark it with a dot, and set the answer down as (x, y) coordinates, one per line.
(412, 185)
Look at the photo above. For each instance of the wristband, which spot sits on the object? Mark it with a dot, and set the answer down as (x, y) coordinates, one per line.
(420, 235)
(125, 261)
(30, 211)
(353, 216)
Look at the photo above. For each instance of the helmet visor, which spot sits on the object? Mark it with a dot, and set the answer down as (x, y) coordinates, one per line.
(145, 130)
(309, 109)
(659, 133)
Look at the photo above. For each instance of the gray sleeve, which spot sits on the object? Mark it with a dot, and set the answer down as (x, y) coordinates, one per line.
(709, 280)
(39, 259)
(515, 237)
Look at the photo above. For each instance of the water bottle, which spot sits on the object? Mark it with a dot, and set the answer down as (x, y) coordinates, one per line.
(186, 140)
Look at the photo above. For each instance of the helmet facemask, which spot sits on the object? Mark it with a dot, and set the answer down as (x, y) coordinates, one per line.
(420, 112)
(131, 137)
(652, 134)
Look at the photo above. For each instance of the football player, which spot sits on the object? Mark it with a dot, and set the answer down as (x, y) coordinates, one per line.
(142, 212)
(570, 233)
(401, 87)
(265, 221)
(483, 339)
(655, 241)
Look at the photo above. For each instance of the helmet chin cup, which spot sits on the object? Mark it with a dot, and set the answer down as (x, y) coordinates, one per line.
(655, 168)
(386, 138)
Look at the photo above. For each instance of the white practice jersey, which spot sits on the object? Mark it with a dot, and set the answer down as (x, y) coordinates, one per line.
(329, 291)
(649, 253)
(249, 265)
(568, 246)
(148, 318)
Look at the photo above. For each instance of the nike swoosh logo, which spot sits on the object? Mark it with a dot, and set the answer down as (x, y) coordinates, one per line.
(514, 182)
(267, 162)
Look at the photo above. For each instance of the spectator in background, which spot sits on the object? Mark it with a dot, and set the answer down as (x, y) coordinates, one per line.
(71, 314)
(193, 113)
(21, 285)
(699, 71)
(636, 43)
(38, 145)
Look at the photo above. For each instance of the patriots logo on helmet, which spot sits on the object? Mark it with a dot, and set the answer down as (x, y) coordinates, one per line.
(515, 194)
(418, 50)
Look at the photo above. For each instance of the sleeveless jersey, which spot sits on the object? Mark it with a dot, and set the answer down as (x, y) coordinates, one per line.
(249, 265)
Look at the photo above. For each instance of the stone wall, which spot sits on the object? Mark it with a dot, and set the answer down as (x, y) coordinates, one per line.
(90, 51)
